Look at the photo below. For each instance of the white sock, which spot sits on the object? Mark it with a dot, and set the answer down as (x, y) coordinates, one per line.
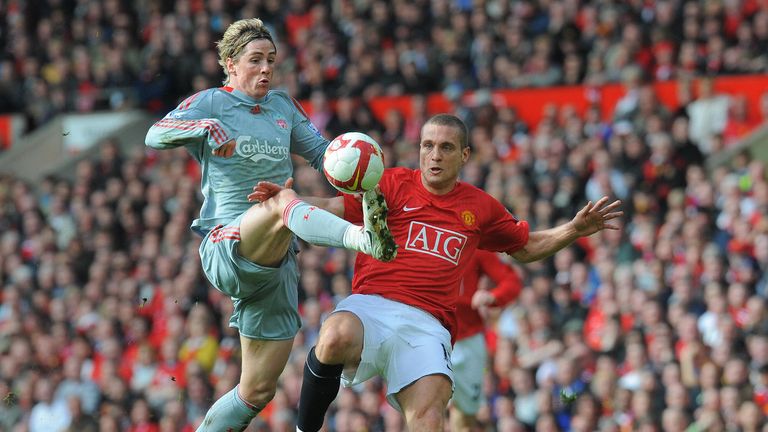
(355, 238)
(315, 225)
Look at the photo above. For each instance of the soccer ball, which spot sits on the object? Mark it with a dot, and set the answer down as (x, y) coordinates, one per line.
(353, 162)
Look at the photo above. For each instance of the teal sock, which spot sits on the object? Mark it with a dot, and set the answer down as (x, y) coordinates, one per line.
(319, 227)
(229, 413)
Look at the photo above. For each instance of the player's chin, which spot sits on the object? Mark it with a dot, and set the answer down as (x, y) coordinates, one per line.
(261, 89)
(438, 176)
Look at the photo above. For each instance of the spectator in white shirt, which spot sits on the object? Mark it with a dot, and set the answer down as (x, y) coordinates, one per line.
(48, 415)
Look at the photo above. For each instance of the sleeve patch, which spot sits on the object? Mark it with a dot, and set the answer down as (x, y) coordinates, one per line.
(313, 129)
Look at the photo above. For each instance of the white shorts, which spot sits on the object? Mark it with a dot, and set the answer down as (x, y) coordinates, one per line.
(469, 361)
(401, 344)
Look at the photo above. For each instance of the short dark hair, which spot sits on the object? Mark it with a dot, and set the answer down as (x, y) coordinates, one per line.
(452, 121)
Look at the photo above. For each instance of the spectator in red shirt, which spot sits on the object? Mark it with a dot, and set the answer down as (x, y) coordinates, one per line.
(142, 418)
(470, 356)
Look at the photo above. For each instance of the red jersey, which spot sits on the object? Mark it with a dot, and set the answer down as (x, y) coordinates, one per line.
(437, 236)
(508, 286)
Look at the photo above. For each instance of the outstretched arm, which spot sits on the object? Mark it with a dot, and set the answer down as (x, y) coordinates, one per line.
(170, 133)
(192, 123)
(589, 220)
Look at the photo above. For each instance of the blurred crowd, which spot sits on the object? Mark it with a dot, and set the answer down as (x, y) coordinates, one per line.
(84, 55)
(107, 324)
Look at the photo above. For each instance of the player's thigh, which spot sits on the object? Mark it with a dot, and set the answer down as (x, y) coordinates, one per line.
(263, 362)
(427, 394)
(242, 279)
(264, 239)
(469, 358)
(419, 347)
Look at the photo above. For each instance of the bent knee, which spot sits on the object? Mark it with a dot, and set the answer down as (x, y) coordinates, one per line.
(429, 418)
(341, 340)
(285, 196)
(257, 394)
(275, 206)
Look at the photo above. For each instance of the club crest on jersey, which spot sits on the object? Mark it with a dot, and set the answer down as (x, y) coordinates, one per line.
(439, 242)
(468, 218)
(282, 123)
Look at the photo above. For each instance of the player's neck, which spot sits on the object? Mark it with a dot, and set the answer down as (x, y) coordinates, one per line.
(440, 190)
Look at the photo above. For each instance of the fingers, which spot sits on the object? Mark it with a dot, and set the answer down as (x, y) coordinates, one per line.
(603, 211)
(225, 150)
(260, 196)
(595, 216)
(264, 183)
(265, 186)
(610, 207)
(600, 202)
(289, 183)
(586, 209)
(598, 206)
(613, 215)
(265, 190)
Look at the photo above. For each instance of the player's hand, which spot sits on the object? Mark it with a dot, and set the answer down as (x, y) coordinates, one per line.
(595, 217)
(482, 298)
(483, 302)
(265, 190)
(225, 150)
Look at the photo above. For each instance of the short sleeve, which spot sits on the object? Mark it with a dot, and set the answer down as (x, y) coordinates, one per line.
(502, 232)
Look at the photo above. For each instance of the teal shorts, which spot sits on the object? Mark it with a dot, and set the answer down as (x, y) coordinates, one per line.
(266, 299)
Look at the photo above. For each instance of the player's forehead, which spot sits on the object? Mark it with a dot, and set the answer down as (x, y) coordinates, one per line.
(438, 133)
(262, 47)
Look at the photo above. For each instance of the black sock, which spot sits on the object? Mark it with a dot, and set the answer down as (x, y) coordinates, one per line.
(318, 389)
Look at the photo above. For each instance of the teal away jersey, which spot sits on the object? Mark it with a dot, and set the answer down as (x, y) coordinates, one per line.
(267, 131)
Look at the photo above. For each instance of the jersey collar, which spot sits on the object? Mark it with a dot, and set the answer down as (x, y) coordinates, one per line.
(243, 96)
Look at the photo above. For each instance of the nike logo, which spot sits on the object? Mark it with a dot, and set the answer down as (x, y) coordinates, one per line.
(407, 209)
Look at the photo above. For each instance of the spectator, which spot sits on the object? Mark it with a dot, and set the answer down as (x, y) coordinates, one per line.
(75, 385)
(63, 271)
(48, 414)
(708, 113)
(81, 421)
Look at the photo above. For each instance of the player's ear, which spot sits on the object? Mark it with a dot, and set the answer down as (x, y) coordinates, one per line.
(465, 154)
(231, 66)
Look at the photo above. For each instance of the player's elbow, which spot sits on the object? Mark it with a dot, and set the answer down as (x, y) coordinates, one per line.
(155, 139)
(151, 140)
(524, 256)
